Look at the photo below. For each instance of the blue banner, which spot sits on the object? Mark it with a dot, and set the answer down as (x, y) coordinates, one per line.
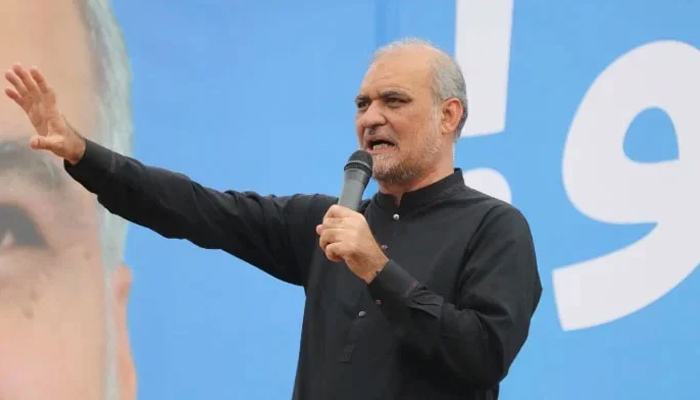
(585, 115)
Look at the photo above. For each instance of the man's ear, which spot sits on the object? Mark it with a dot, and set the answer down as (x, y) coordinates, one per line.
(121, 287)
(450, 112)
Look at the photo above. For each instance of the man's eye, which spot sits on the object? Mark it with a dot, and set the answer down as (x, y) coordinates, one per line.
(17, 229)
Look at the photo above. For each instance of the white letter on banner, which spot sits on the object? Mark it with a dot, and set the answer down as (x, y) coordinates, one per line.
(605, 185)
(482, 48)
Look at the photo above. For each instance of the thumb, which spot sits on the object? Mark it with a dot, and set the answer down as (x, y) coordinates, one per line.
(52, 143)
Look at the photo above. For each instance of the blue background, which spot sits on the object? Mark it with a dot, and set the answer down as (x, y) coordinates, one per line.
(258, 95)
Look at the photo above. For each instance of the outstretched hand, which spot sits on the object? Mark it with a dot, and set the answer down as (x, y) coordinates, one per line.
(345, 236)
(38, 100)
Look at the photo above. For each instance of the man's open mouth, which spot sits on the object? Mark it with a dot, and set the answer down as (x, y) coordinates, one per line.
(379, 145)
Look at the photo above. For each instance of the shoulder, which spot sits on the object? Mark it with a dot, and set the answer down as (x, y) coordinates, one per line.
(496, 217)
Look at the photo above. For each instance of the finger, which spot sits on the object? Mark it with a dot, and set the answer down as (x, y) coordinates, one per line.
(40, 80)
(334, 252)
(51, 143)
(44, 88)
(16, 82)
(11, 93)
(332, 222)
(28, 81)
(338, 211)
(324, 240)
(330, 236)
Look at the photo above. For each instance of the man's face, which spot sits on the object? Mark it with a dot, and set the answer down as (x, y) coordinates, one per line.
(397, 120)
(53, 297)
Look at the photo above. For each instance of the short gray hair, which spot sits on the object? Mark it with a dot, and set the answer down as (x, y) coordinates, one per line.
(448, 80)
(113, 79)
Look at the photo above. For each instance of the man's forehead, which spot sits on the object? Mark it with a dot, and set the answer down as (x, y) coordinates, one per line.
(396, 72)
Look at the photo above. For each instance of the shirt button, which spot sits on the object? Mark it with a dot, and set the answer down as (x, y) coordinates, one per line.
(385, 247)
(378, 302)
(361, 314)
(396, 217)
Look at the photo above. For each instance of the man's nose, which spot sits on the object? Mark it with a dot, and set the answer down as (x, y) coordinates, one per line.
(373, 116)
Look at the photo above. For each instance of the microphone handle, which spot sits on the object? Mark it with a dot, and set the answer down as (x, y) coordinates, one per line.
(354, 186)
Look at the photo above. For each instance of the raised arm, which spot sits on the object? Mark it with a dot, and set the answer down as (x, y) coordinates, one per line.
(266, 231)
(276, 234)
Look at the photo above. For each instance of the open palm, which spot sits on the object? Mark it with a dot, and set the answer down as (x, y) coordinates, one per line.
(31, 92)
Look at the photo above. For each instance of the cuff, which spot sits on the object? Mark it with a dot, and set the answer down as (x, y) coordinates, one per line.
(93, 168)
(392, 284)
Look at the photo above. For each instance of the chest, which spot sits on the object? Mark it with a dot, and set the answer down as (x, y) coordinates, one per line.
(431, 250)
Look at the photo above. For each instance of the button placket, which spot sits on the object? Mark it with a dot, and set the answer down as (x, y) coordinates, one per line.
(385, 249)
(353, 335)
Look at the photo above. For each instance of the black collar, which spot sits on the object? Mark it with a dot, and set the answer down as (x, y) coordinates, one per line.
(418, 198)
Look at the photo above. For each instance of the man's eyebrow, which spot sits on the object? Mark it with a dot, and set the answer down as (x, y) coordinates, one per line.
(383, 94)
(392, 92)
(20, 158)
(361, 97)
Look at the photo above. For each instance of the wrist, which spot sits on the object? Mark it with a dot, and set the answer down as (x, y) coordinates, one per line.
(369, 277)
(79, 148)
(78, 154)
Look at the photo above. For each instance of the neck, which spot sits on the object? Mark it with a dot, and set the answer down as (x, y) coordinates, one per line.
(427, 178)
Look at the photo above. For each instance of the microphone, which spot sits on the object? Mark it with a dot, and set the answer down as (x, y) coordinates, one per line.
(358, 170)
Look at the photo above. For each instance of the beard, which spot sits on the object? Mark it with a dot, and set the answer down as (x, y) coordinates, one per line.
(396, 168)
(391, 172)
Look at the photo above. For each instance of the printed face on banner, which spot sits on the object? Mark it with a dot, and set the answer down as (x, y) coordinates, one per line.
(59, 308)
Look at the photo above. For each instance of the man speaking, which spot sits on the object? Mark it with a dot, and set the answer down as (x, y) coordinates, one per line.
(424, 291)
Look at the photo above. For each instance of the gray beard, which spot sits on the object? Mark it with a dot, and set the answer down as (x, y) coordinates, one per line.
(406, 170)
(396, 174)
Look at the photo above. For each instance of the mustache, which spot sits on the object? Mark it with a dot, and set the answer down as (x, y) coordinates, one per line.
(375, 132)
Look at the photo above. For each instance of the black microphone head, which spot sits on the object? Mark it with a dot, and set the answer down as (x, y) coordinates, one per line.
(361, 160)
(358, 171)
